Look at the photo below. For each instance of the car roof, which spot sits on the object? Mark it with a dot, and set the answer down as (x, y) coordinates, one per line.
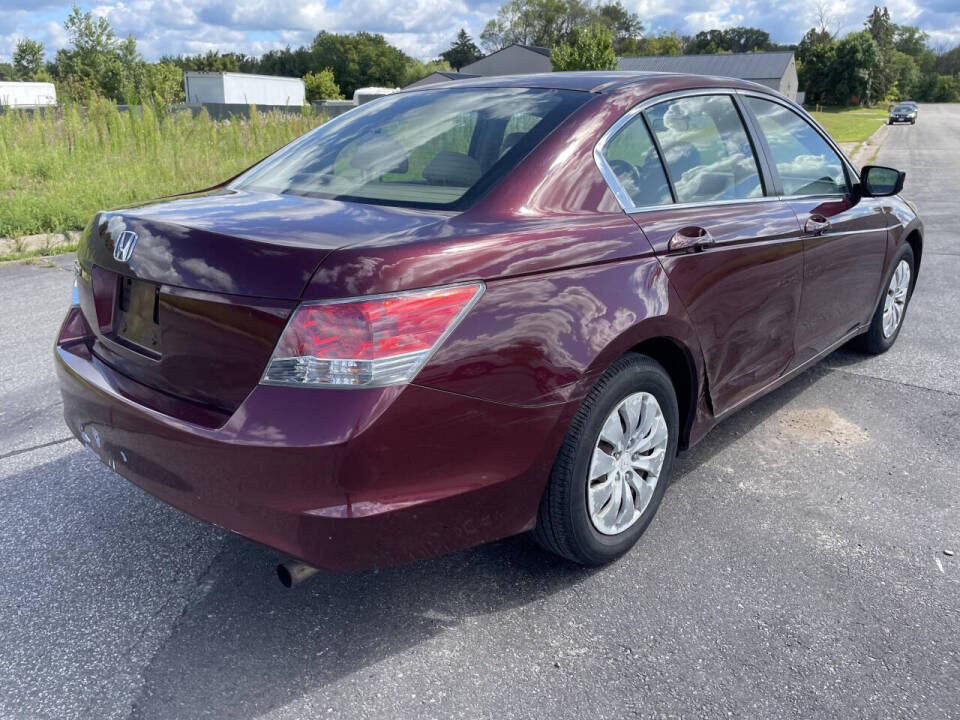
(587, 81)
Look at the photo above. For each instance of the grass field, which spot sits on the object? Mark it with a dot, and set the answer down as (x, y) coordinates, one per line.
(57, 170)
(851, 124)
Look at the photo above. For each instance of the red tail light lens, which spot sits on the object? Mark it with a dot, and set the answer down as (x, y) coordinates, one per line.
(374, 341)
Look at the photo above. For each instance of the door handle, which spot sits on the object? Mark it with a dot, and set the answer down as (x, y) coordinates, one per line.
(691, 238)
(816, 225)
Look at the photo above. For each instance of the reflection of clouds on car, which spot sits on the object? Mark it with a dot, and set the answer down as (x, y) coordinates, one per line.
(706, 149)
(811, 175)
(729, 178)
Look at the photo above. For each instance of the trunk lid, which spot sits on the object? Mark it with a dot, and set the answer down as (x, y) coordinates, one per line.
(194, 304)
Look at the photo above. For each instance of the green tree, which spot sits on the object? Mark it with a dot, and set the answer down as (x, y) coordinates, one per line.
(729, 40)
(359, 60)
(948, 63)
(321, 86)
(27, 59)
(815, 59)
(286, 62)
(211, 61)
(162, 84)
(97, 62)
(626, 27)
(592, 50)
(907, 75)
(7, 72)
(849, 74)
(662, 44)
(946, 89)
(462, 51)
(417, 70)
(910, 40)
(883, 74)
(546, 23)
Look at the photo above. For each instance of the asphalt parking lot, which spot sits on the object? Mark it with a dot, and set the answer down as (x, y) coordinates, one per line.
(796, 567)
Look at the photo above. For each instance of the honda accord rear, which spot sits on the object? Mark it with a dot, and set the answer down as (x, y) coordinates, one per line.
(469, 311)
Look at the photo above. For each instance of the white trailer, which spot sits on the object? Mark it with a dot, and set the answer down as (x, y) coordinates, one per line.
(243, 89)
(27, 94)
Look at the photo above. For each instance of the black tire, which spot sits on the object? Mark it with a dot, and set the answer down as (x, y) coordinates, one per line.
(563, 521)
(873, 341)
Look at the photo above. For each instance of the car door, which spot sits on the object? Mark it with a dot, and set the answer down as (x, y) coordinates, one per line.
(686, 170)
(844, 236)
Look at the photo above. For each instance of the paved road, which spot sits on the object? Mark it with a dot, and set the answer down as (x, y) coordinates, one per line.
(795, 568)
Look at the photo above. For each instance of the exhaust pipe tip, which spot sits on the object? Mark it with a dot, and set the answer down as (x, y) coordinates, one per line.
(294, 572)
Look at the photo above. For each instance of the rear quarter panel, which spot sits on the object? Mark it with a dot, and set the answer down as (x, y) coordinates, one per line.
(546, 338)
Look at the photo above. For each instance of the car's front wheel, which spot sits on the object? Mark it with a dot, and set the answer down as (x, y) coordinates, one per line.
(888, 316)
(614, 465)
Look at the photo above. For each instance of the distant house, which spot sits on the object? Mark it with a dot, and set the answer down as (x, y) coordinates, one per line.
(439, 77)
(511, 60)
(777, 70)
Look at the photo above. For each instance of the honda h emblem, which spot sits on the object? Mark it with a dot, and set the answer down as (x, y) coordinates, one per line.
(123, 248)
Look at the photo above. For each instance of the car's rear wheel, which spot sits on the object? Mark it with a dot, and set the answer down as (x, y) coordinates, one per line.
(614, 465)
(888, 317)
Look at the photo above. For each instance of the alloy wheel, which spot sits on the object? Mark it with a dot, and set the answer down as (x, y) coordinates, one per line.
(627, 459)
(896, 300)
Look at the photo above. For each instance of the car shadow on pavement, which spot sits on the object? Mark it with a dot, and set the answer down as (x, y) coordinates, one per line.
(244, 645)
(248, 645)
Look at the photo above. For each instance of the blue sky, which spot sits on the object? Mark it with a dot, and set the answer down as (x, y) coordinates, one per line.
(420, 27)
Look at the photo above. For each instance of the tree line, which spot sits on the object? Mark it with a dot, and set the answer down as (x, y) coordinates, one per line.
(882, 62)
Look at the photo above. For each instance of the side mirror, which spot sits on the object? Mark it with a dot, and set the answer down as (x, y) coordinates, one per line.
(879, 181)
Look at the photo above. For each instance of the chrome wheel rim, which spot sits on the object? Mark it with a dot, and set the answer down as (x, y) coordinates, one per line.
(627, 459)
(896, 300)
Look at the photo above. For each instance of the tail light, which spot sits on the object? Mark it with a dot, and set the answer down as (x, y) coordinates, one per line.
(369, 341)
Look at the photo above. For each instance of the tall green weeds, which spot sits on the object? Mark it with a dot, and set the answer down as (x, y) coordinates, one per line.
(59, 168)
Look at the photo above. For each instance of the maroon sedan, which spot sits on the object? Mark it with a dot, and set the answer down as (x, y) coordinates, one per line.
(478, 309)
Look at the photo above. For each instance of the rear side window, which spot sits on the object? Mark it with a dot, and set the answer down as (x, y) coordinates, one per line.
(806, 163)
(632, 157)
(706, 149)
(429, 148)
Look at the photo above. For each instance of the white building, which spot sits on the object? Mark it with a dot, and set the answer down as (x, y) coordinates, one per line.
(27, 94)
(243, 89)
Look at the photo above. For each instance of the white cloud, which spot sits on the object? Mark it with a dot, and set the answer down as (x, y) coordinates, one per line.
(422, 28)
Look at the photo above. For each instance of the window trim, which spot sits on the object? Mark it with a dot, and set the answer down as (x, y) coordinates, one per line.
(772, 181)
(850, 173)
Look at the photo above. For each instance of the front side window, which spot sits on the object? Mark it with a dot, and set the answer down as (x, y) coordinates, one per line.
(632, 157)
(429, 148)
(706, 149)
(806, 163)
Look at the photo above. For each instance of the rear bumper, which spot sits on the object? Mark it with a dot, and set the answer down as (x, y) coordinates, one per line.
(341, 479)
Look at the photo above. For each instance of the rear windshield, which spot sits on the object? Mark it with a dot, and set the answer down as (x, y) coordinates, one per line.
(902, 108)
(430, 148)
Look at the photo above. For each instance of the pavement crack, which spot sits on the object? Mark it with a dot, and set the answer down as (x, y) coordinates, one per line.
(21, 451)
(194, 590)
(939, 391)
